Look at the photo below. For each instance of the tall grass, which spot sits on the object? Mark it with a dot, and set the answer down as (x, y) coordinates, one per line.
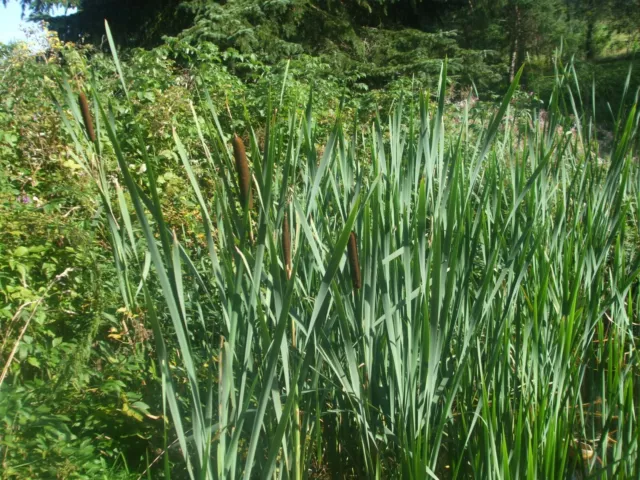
(484, 325)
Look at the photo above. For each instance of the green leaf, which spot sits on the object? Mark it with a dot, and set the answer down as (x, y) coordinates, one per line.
(34, 362)
(20, 251)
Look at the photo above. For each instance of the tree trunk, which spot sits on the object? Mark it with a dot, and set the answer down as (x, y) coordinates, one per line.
(589, 39)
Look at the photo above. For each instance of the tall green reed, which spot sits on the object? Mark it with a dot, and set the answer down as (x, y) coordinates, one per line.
(440, 304)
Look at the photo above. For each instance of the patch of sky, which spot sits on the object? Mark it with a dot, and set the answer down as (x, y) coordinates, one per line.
(14, 24)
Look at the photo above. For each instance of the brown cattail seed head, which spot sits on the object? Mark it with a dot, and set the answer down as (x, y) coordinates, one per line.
(86, 116)
(286, 245)
(242, 167)
(352, 250)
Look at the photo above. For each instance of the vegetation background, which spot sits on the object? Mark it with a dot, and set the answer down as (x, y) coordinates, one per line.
(83, 393)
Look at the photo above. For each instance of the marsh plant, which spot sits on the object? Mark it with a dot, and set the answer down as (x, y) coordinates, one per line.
(410, 298)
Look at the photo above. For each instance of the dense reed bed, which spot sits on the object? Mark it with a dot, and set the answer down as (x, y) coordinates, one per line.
(412, 298)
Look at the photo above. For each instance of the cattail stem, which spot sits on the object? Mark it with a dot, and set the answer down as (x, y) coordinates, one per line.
(352, 250)
(86, 116)
(286, 253)
(286, 245)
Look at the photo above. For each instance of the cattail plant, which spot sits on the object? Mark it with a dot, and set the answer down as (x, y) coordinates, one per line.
(286, 245)
(352, 248)
(242, 167)
(467, 355)
(86, 116)
(286, 253)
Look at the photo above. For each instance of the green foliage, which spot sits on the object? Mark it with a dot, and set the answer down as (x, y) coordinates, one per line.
(493, 334)
(71, 403)
(312, 379)
(606, 79)
(367, 43)
(357, 55)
